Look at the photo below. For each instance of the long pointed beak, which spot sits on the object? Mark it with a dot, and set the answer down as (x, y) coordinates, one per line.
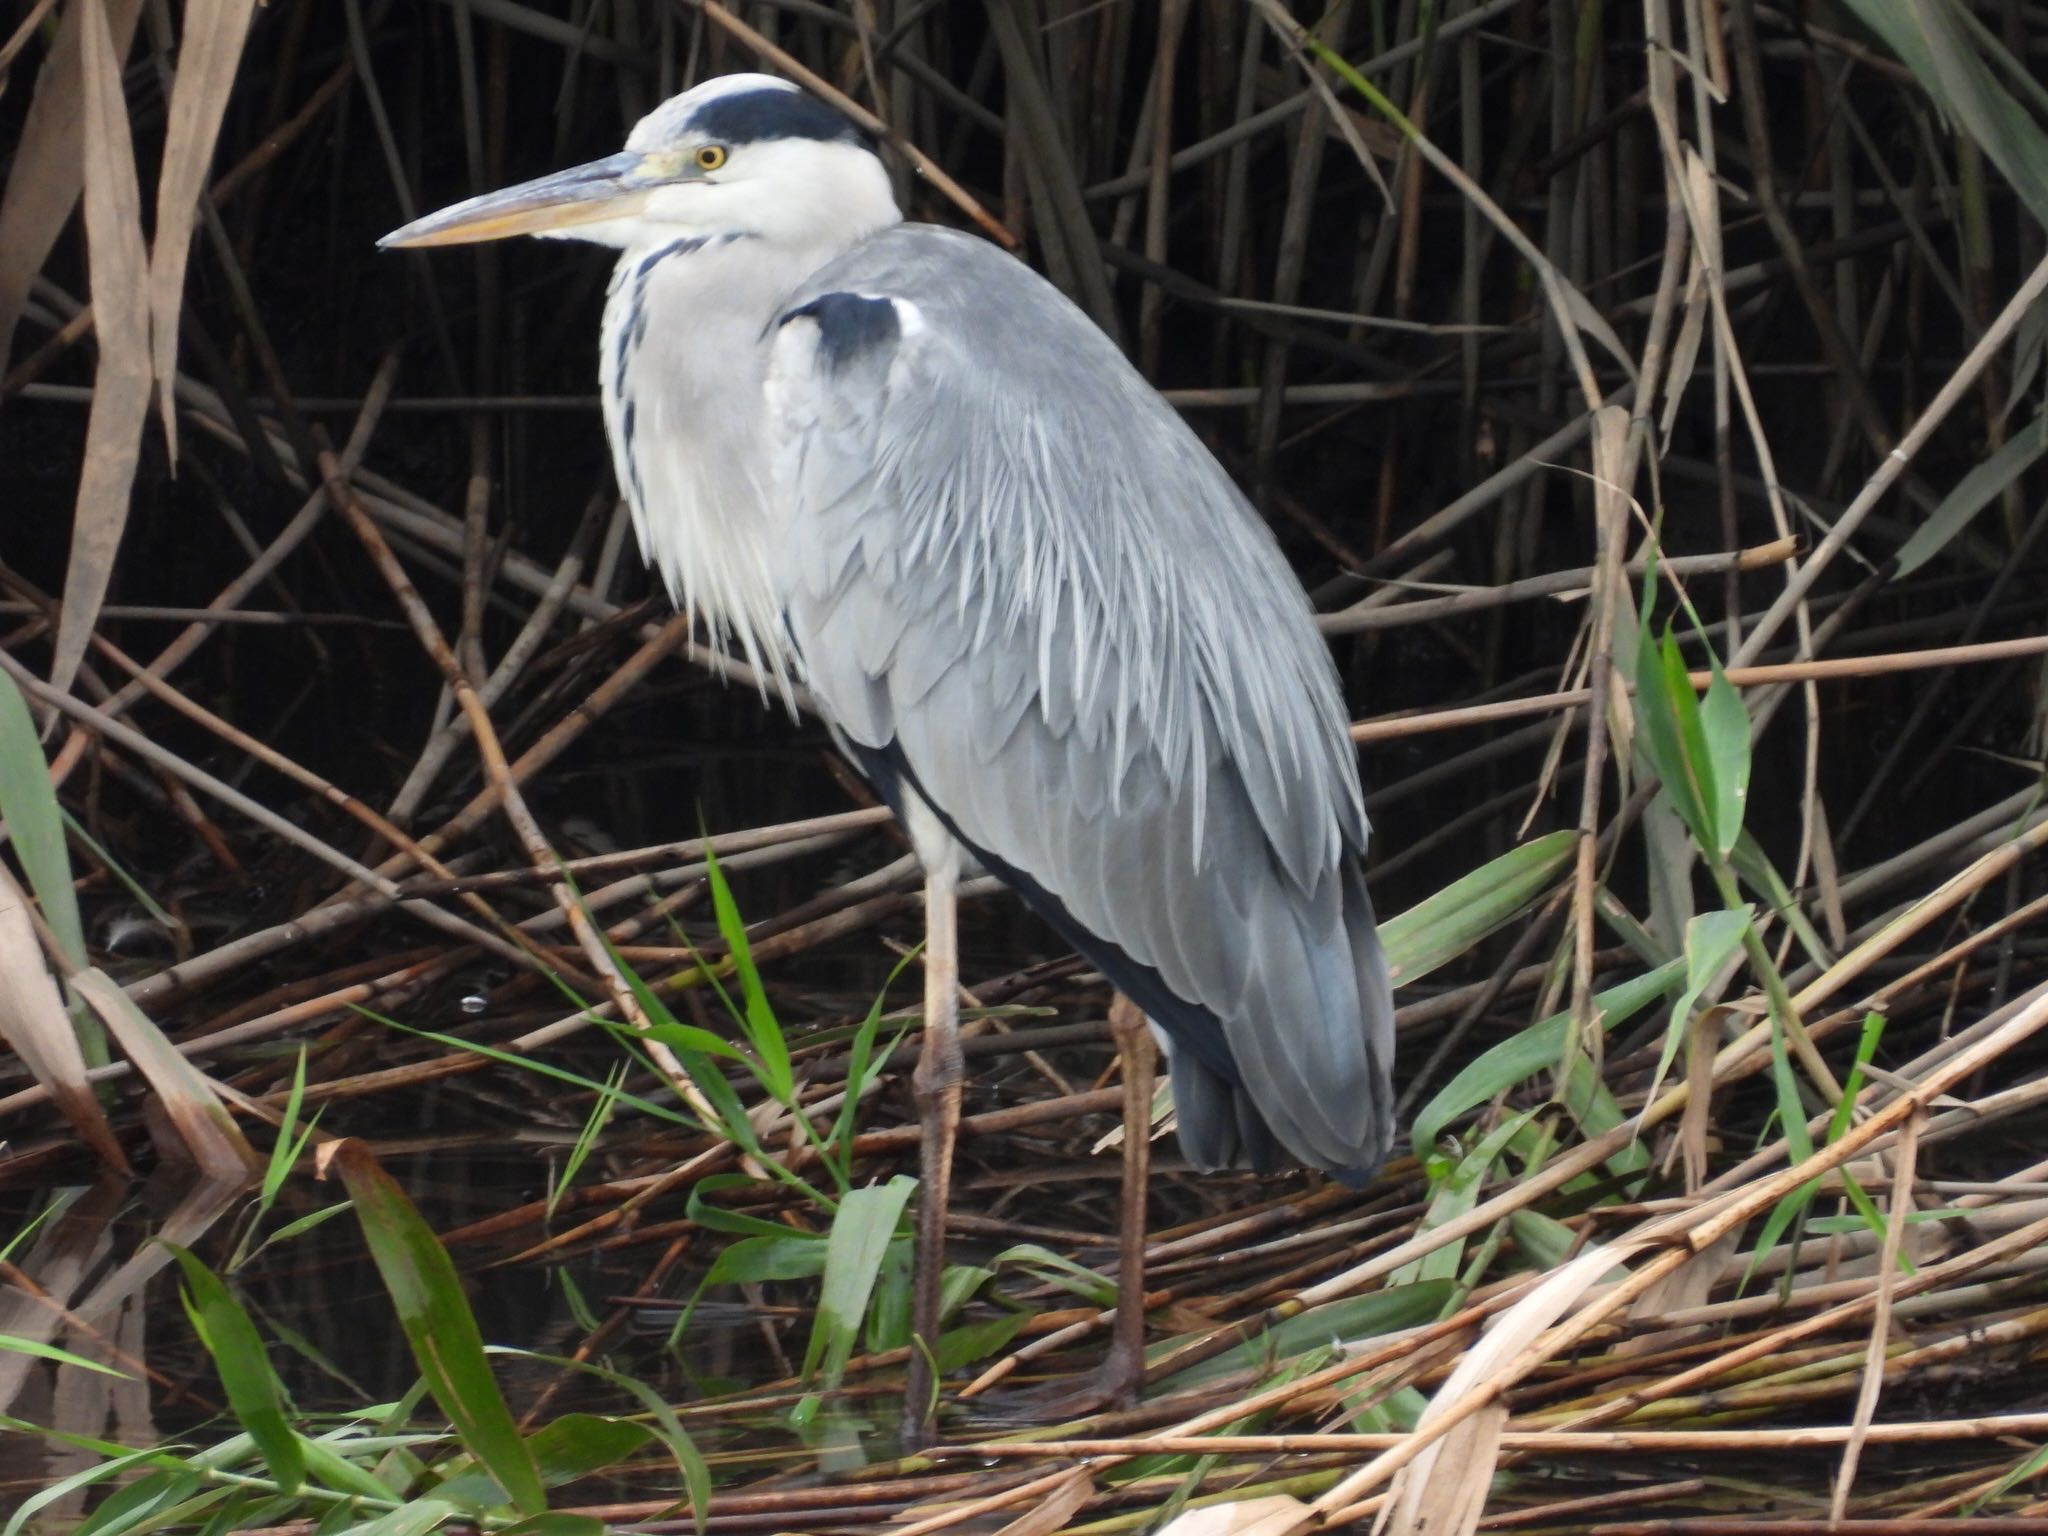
(612, 188)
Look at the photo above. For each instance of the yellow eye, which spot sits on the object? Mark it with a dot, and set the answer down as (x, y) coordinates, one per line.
(710, 157)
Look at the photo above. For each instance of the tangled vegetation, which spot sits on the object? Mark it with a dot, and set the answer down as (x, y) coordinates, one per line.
(456, 1040)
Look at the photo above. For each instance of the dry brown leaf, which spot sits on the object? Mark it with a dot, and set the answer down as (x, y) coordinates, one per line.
(207, 56)
(1247, 1517)
(1881, 1315)
(1053, 1511)
(1504, 1354)
(34, 1023)
(202, 1122)
(1443, 1491)
(1685, 1287)
(48, 161)
(1702, 1041)
(120, 396)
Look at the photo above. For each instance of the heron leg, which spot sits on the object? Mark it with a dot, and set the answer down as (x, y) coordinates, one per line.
(936, 1086)
(1123, 1370)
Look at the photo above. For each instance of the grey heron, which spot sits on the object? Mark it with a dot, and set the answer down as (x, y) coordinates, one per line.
(887, 461)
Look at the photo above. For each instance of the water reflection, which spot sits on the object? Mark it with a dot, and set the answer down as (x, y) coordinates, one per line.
(83, 1286)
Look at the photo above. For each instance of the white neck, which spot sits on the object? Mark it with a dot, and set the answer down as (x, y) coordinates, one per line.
(681, 369)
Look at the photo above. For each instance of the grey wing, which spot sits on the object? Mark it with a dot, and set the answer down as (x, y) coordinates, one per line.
(1019, 585)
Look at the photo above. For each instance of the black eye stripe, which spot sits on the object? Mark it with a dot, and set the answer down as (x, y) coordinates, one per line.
(747, 117)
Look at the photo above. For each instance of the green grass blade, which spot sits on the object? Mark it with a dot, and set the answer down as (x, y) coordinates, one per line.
(1724, 724)
(578, 1444)
(333, 1470)
(1453, 1197)
(64, 1487)
(1354, 1318)
(1660, 736)
(416, 1518)
(976, 1341)
(1695, 762)
(1711, 940)
(556, 1523)
(1442, 927)
(1932, 41)
(284, 1153)
(150, 1503)
(1536, 1049)
(439, 1326)
(861, 1234)
(1748, 859)
(12, 1344)
(593, 1126)
(700, 1210)
(664, 1425)
(1978, 489)
(544, 1068)
(254, 1392)
(35, 823)
(1057, 1269)
(764, 1030)
(753, 1260)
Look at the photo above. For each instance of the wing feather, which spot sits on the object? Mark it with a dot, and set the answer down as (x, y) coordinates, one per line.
(1016, 573)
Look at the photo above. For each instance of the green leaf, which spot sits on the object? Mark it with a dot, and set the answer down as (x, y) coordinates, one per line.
(1984, 484)
(1057, 1269)
(958, 1285)
(699, 1209)
(1711, 940)
(1442, 927)
(752, 1260)
(543, 1068)
(299, 1226)
(64, 1487)
(254, 1392)
(439, 1326)
(1456, 1195)
(284, 1154)
(863, 1065)
(578, 1444)
(975, 1341)
(10, 1343)
(1724, 723)
(558, 1524)
(688, 1037)
(1544, 1240)
(1761, 875)
(1536, 1049)
(764, 1030)
(861, 1234)
(151, 1503)
(1934, 40)
(1696, 763)
(1660, 736)
(664, 1425)
(1590, 1102)
(413, 1519)
(328, 1467)
(895, 1294)
(1334, 1323)
(35, 824)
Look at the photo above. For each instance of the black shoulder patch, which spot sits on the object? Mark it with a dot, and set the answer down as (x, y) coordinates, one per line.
(747, 117)
(849, 326)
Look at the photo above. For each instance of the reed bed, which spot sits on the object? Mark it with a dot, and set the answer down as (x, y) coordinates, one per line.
(1651, 398)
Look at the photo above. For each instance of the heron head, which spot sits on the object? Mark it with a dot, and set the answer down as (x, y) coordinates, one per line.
(738, 155)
